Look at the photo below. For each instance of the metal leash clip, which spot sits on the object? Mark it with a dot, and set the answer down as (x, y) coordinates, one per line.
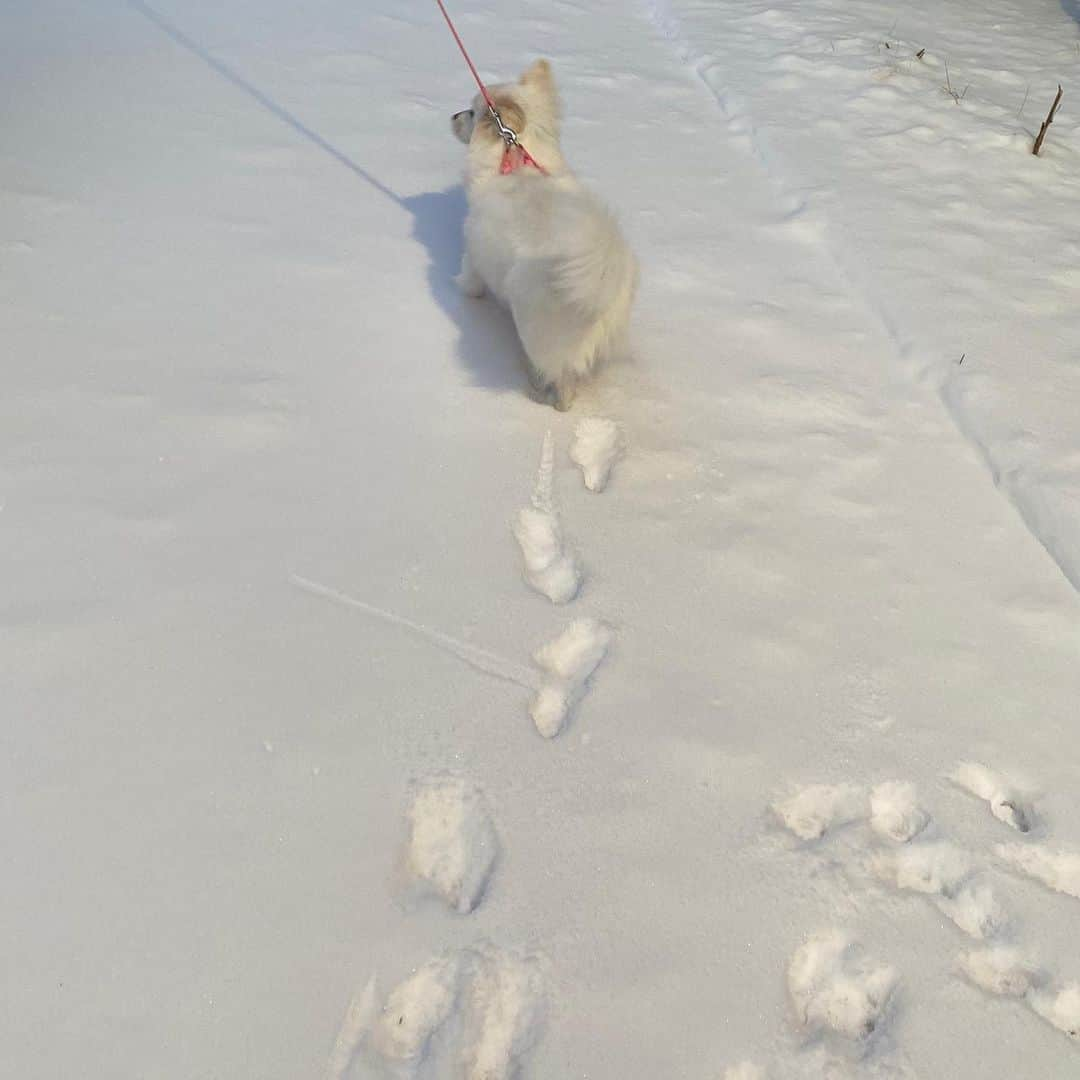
(509, 135)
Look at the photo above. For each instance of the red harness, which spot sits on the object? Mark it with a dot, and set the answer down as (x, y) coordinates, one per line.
(515, 156)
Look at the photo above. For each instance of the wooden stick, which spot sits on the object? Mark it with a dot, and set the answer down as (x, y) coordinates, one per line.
(1046, 124)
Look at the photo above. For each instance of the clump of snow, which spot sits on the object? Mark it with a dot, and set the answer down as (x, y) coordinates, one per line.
(811, 812)
(549, 568)
(415, 1010)
(452, 841)
(1000, 970)
(895, 812)
(833, 987)
(1058, 870)
(1061, 1008)
(596, 447)
(568, 662)
(505, 1016)
(1006, 802)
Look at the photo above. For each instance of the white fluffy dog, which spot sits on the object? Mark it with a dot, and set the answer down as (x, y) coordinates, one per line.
(541, 243)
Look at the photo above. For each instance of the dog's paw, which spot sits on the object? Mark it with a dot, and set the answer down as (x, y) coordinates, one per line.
(469, 282)
(564, 394)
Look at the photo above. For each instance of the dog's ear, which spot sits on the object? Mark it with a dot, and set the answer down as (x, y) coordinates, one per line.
(539, 75)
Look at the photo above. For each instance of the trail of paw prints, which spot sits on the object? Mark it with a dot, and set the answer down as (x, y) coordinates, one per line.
(482, 1007)
(568, 661)
(911, 856)
(913, 859)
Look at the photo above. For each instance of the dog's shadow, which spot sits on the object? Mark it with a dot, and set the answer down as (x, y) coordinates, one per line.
(488, 346)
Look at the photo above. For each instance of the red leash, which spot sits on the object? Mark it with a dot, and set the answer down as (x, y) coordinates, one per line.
(515, 155)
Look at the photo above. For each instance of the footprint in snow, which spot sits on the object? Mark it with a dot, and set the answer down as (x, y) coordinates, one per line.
(491, 1000)
(892, 809)
(836, 990)
(452, 844)
(1057, 870)
(815, 810)
(944, 873)
(568, 662)
(1006, 972)
(597, 445)
(1006, 801)
(895, 813)
(549, 568)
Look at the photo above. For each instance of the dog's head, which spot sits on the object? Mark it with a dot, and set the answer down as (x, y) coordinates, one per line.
(530, 107)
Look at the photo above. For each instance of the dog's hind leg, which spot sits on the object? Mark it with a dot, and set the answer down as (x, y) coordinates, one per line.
(468, 280)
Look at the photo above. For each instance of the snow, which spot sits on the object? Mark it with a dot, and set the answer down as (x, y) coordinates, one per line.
(895, 812)
(549, 568)
(568, 662)
(1061, 1008)
(452, 841)
(1000, 970)
(1006, 803)
(507, 1007)
(1058, 870)
(596, 447)
(260, 464)
(414, 1011)
(943, 871)
(811, 812)
(834, 987)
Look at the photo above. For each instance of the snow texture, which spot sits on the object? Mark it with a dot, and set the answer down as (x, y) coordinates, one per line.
(597, 445)
(568, 662)
(506, 1011)
(452, 842)
(814, 810)
(834, 988)
(414, 1011)
(1006, 802)
(895, 813)
(549, 568)
(1057, 870)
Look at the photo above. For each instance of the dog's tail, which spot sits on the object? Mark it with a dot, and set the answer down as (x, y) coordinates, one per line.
(599, 275)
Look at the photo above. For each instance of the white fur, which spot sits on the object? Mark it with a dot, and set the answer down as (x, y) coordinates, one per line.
(540, 243)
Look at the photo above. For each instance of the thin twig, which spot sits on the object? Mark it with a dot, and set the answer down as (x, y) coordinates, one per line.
(1046, 124)
(1024, 102)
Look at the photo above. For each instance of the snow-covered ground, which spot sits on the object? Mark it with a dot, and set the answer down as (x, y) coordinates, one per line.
(305, 774)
